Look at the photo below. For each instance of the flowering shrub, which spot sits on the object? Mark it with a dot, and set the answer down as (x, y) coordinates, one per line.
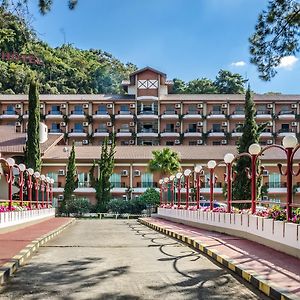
(4, 207)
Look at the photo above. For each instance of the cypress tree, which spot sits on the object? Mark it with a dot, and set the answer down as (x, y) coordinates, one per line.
(71, 182)
(241, 189)
(102, 182)
(33, 151)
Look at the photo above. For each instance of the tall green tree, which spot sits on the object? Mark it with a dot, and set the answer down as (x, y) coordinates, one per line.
(71, 182)
(229, 83)
(276, 35)
(179, 86)
(251, 131)
(201, 86)
(102, 182)
(165, 162)
(33, 151)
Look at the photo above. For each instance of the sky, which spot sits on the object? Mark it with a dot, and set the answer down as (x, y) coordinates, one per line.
(185, 39)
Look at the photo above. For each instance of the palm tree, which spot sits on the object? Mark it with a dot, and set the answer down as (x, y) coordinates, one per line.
(164, 161)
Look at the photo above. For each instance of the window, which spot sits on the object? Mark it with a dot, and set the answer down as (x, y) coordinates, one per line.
(55, 128)
(10, 110)
(55, 110)
(217, 109)
(239, 110)
(148, 108)
(274, 180)
(124, 109)
(147, 180)
(285, 128)
(169, 143)
(83, 180)
(101, 128)
(115, 180)
(216, 143)
(78, 127)
(124, 128)
(192, 143)
(216, 128)
(78, 110)
(192, 109)
(54, 176)
(102, 110)
(170, 128)
(192, 127)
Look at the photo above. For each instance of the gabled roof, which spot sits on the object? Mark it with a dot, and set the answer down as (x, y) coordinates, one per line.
(150, 69)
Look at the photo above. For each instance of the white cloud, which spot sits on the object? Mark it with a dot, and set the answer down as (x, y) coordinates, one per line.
(288, 62)
(238, 64)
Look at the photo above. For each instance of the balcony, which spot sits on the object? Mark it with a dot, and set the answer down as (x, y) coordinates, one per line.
(124, 115)
(264, 115)
(9, 115)
(238, 115)
(102, 115)
(170, 133)
(170, 115)
(286, 131)
(77, 133)
(216, 115)
(286, 115)
(77, 115)
(266, 133)
(193, 115)
(147, 115)
(216, 133)
(193, 133)
(84, 187)
(124, 132)
(276, 187)
(236, 133)
(55, 131)
(118, 187)
(101, 132)
(54, 115)
(146, 185)
(147, 133)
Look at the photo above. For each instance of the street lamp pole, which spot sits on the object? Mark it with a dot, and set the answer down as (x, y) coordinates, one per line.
(228, 159)
(178, 176)
(161, 182)
(187, 174)
(21, 181)
(10, 180)
(198, 170)
(166, 180)
(172, 177)
(30, 172)
(211, 166)
(37, 175)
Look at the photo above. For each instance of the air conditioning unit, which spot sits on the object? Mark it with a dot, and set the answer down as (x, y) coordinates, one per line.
(265, 173)
(61, 172)
(109, 142)
(131, 124)
(108, 124)
(265, 198)
(177, 105)
(132, 105)
(199, 124)
(60, 197)
(124, 197)
(109, 105)
(85, 124)
(270, 123)
(199, 142)
(85, 142)
(269, 142)
(131, 142)
(41, 105)
(124, 173)
(62, 124)
(18, 106)
(85, 106)
(224, 123)
(224, 142)
(224, 105)
(177, 142)
(269, 105)
(63, 106)
(177, 124)
(136, 173)
(200, 105)
(294, 105)
(18, 124)
(294, 124)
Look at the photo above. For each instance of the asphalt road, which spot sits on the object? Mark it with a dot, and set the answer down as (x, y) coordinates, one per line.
(116, 259)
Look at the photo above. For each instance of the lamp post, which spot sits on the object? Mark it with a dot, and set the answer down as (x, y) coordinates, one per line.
(21, 181)
(228, 159)
(254, 150)
(178, 177)
(51, 191)
(36, 175)
(161, 182)
(187, 174)
(172, 177)
(43, 185)
(29, 172)
(47, 191)
(166, 180)
(10, 180)
(211, 166)
(198, 170)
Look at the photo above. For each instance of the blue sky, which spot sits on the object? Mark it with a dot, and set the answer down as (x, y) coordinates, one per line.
(186, 39)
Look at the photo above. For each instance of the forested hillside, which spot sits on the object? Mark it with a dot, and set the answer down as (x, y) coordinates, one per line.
(65, 69)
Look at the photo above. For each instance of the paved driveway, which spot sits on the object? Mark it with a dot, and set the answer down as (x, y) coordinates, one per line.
(116, 259)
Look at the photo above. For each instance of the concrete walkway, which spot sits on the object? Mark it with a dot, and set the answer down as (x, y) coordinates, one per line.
(122, 259)
(274, 273)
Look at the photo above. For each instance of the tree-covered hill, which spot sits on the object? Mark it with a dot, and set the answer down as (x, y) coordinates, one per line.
(66, 69)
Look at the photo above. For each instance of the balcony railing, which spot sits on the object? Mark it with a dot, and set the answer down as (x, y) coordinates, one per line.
(216, 112)
(118, 184)
(148, 112)
(101, 112)
(193, 112)
(77, 112)
(57, 184)
(263, 112)
(286, 112)
(57, 130)
(285, 130)
(74, 130)
(146, 185)
(124, 112)
(193, 130)
(101, 130)
(275, 185)
(54, 112)
(144, 130)
(85, 184)
(170, 130)
(238, 112)
(124, 130)
(217, 131)
(9, 112)
(170, 112)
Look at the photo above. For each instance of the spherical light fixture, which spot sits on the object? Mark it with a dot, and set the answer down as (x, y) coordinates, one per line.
(43, 177)
(30, 171)
(22, 167)
(211, 164)
(228, 158)
(51, 181)
(160, 181)
(254, 149)
(37, 174)
(187, 172)
(172, 177)
(198, 169)
(166, 180)
(178, 175)
(289, 141)
(48, 179)
(10, 161)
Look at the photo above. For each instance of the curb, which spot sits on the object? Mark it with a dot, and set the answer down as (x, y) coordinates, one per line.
(18, 260)
(251, 277)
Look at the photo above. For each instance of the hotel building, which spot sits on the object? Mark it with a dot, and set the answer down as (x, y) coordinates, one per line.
(149, 114)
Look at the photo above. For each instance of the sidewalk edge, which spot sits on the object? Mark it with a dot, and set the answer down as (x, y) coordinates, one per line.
(255, 280)
(18, 260)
